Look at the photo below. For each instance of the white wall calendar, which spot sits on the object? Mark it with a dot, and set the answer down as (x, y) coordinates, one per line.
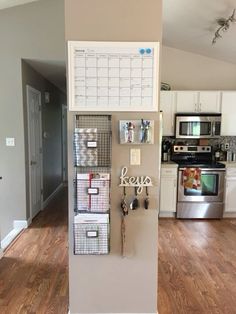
(113, 76)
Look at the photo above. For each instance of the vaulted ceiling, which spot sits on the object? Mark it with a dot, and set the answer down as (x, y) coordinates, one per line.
(187, 25)
(190, 25)
(4, 4)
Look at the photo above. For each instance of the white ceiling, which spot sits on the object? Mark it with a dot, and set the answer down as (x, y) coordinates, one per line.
(190, 25)
(11, 3)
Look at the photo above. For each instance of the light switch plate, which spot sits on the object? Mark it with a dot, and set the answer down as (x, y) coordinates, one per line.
(10, 141)
(135, 156)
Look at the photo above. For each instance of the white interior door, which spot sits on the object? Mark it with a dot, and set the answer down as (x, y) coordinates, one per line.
(35, 149)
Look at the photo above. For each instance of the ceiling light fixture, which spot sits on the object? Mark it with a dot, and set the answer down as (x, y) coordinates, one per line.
(224, 25)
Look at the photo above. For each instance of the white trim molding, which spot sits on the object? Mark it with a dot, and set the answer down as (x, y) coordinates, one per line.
(1, 253)
(229, 215)
(167, 215)
(18, 226)
(52, 196)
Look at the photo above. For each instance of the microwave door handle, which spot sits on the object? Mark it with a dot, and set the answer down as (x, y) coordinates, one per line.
(213, 129)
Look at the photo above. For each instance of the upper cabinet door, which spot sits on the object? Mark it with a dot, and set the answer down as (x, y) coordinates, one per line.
(228, 106)
(167, 105)
(187, 101)
(209, 101)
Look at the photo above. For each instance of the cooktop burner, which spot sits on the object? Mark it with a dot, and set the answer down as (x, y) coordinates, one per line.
(200, 165)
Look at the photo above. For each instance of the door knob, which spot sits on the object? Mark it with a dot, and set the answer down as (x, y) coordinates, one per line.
(0, 178)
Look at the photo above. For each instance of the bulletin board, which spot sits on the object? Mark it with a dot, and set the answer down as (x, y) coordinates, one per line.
(113, 76)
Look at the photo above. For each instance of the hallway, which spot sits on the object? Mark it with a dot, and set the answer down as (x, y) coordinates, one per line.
(34, 269)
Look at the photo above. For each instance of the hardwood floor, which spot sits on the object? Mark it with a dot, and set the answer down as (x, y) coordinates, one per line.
(34, 270)
(197, 267)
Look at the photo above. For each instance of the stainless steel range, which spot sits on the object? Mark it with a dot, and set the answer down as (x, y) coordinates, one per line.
(200, 182)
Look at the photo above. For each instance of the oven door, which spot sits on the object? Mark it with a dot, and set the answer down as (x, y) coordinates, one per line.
(211, 187)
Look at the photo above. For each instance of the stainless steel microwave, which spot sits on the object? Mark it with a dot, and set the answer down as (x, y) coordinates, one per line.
(194, 125)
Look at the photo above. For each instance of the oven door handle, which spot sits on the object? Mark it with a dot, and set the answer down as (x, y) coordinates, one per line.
(205, 169)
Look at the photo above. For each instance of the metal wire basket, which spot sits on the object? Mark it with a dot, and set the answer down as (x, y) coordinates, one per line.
(91, 237)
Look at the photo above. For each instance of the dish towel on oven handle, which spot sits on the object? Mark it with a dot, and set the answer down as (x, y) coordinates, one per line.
(191, 178)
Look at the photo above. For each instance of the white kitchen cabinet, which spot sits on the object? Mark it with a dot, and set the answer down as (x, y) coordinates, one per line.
(186, 101)
(228, 110)
(168, 107)
(230, 190)
(209, 101)
(168, 195)
(198, 101)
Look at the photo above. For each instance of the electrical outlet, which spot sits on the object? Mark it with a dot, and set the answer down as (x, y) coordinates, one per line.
(10, 141)
(226, 146)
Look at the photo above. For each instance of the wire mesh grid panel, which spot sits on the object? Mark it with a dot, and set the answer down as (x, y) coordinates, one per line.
(99, 151)
(93, 192)
(100, 122)
(91, 234)
(104, 149)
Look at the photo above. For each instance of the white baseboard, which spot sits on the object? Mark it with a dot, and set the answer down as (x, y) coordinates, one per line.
(51, 197)
(29, 222)
(18, 226)
(1, 253)
(167, 215)
(229, 215)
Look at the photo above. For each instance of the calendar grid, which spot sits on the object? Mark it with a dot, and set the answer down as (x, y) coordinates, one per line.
(110, 78)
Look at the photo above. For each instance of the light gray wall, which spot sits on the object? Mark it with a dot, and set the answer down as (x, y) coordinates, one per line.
(51, 124)
(32, 31)
(188, 71)
(112, 284)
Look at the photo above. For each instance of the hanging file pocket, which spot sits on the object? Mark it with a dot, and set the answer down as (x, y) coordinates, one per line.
(91, 234)
(93, 192)
(85, 147)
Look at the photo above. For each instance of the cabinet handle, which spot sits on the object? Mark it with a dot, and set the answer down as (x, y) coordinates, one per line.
(196, 107)
(200, 107)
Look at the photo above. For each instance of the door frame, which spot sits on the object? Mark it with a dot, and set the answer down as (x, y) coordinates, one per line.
(32, 89)
(64, 143)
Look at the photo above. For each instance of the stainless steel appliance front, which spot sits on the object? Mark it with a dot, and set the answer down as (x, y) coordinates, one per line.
(197, 125)
(205, 202)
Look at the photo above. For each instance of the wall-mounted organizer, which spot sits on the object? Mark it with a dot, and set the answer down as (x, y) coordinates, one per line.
(136, 131)
(92, 161)
(93, 192)
(91, 234)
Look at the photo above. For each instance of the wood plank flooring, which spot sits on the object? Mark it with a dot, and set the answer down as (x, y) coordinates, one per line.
(34, 270)
(197, 266)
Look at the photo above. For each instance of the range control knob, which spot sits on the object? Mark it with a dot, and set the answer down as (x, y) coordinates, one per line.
(181, 148)
(203, 148)
(208, 148)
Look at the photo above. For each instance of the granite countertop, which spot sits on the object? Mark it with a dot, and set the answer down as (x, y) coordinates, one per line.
(169, 164)
(229, 164)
